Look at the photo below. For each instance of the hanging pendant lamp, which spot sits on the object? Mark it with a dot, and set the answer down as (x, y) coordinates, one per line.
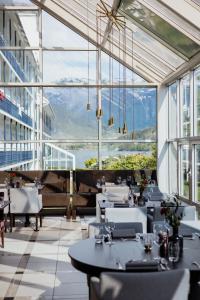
(88, 107)
(125, 128)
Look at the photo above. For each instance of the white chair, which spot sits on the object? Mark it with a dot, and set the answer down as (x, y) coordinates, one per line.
(133, 214)
(116, 189)
(26, 201)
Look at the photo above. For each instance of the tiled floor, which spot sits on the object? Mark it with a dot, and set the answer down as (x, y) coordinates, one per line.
(35, 265)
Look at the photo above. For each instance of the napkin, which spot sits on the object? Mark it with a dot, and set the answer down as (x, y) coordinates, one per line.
(123, 233)
(142, 266)
(121, 205)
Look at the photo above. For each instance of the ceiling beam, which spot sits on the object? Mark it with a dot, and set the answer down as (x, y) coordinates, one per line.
(173, 19)
(186, 67)
(134, 21)
(66, 16)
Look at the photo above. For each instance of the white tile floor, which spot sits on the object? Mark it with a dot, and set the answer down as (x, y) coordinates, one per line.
(35, 265)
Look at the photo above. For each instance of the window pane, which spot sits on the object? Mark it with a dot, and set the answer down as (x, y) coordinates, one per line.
(19, 66)
(118, 156)
(69, 67)
(135, 107)
(173, 111)
(160, 27)
(184, 188)
(56, 34)
(113, 67)
(19, 28)
(197, 101)
(197, 173)
(21, 104)
(185, 106)
(65, 156)
(65, 113)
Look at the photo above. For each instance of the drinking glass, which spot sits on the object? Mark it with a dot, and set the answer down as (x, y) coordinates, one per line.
(119, 180)
(103, 180)
(159, 230)
(173, 251)
(148, 242)
(110, 226)
(98, 235)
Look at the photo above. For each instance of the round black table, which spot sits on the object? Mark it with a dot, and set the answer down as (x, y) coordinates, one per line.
(93, 259)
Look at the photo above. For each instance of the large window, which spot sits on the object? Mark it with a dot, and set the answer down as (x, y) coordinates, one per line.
(184, 132)
(55, 124)
(185, 106)
(184, 171)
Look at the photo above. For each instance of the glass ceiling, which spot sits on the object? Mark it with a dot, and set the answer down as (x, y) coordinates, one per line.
(166, 33)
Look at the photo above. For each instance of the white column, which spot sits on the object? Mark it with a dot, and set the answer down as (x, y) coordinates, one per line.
(162, 132)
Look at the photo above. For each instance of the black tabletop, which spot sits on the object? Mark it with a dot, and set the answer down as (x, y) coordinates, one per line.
(92, 258)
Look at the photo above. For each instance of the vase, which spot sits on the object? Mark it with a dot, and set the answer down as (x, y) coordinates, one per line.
(141, 200)
(177, 238)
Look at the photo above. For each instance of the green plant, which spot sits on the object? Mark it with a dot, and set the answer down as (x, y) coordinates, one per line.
(171, 211)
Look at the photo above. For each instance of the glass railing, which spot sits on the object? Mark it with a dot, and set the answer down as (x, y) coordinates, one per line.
(13, 157)
(58, 158)
(7, 106)
(12, 60)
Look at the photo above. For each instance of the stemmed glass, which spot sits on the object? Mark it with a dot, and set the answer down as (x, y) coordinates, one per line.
(109, 226)
(119, 180)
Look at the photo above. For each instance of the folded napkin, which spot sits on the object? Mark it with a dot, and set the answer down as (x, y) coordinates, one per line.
(121, 204)
(123, 233)
(142, 266)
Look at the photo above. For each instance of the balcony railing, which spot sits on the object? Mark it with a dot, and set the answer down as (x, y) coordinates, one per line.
(13, 110)
(13, 157)
(12, 60)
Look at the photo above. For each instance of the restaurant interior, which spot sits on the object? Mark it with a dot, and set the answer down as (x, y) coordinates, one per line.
(100, 149)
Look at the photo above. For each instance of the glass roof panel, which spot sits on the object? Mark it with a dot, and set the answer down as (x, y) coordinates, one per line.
(186, 9)
(154, 46)
(16, 2)
(159, 27)
(153, 54)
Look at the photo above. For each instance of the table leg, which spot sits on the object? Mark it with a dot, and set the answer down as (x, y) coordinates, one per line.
(36, 222)
(88, 283)
(27, 221)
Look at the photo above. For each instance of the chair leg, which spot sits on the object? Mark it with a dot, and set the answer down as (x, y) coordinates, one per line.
(40, 220)
(36, 222)
(11, 222)
(5, 222)
(2, 237)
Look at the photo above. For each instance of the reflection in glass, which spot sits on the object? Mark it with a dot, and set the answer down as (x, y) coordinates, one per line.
(173, 111)
(185, 106)
(197, 173)
(197, 101)
(184, 187)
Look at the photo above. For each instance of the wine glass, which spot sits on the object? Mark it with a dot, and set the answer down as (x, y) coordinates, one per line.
(119, 180)
(148, 242)
(110, 226)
